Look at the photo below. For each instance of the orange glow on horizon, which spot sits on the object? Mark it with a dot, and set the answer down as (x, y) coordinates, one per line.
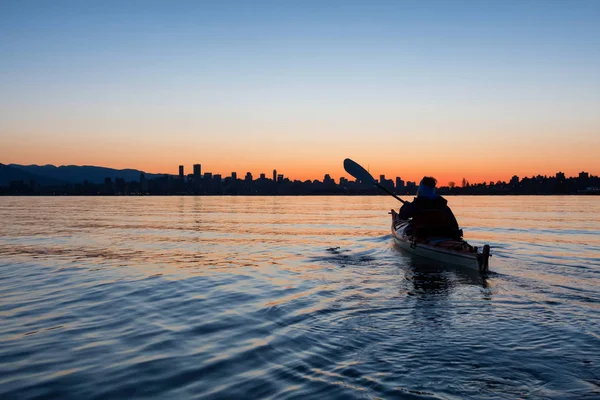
(484, 158)
(444, 173)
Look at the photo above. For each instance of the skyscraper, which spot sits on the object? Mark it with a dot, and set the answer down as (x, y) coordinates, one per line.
(197, 171)
(399, 183)
(274, 175)
(181, 175)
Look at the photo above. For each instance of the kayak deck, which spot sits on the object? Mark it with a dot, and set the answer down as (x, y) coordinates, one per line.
(457, 252)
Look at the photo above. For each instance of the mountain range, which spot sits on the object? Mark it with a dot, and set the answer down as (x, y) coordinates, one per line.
(47, 175)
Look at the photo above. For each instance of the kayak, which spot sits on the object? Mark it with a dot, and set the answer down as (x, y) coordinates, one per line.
(456, 252)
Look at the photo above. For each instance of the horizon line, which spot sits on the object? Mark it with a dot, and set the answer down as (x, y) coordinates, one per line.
(266, 174)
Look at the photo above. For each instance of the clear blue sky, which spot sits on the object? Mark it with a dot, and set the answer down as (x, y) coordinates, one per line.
(259, 83)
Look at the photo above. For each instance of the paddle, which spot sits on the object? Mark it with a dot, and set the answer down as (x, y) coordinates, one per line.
(361, 174)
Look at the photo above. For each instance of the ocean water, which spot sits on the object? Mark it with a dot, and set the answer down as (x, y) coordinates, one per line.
(294, 298)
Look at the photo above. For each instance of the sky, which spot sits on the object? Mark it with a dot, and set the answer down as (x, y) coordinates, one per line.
(476, 89)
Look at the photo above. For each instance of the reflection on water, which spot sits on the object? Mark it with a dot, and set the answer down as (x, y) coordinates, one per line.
(294, 297)
(429, 278)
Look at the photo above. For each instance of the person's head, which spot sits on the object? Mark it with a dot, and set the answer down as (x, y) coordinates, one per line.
(427, 187)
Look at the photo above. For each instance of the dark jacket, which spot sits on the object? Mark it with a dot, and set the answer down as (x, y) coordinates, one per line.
(433, 217)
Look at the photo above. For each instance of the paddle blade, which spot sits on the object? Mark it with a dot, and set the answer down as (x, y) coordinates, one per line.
(358, 172)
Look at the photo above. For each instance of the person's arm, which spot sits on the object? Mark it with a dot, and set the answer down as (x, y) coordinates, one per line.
(452, 218)
(407, 211)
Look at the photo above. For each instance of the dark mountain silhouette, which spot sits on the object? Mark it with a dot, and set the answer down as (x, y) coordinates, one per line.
(78, 174)
(9, 174)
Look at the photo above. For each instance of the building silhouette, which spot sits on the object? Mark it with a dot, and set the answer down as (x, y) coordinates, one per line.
(399, 184)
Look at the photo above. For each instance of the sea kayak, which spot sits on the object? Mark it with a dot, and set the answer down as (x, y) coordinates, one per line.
(456, 252)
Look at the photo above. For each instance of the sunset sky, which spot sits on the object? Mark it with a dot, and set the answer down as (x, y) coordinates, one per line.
(475, 89)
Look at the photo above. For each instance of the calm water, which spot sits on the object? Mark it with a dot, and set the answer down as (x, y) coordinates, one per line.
(293, 297)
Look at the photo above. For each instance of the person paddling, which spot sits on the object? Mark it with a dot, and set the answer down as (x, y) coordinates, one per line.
(431, 216)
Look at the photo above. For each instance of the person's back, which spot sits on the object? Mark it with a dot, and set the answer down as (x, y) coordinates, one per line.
(430, 213)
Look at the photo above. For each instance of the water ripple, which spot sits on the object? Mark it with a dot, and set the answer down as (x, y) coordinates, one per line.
(289, 298)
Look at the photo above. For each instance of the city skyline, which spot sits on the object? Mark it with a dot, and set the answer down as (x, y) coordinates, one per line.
(197, 172)
(311, 172)
(72, 180)
(481, 90)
